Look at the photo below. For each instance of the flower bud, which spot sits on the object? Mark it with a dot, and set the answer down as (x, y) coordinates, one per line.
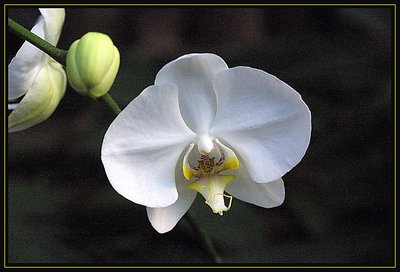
(92, 64)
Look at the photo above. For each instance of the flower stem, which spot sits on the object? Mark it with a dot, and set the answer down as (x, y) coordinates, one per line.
(107, 99)
(58, 54)
(204, 238)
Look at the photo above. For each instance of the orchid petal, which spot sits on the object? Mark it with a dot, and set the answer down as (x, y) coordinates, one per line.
(263, 119)
(165, 219)
(25, 65)
(27, 62)
(42, 98)
(54, 21)
(143, 144)
(266, 195)
(193, 74)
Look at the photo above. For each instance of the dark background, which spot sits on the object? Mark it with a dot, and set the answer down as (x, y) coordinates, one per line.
(339, 206)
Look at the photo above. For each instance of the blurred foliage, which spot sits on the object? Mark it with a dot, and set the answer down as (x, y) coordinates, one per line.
(339, 199)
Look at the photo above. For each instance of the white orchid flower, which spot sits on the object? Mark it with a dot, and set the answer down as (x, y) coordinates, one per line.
(250, 128)
(36, 75)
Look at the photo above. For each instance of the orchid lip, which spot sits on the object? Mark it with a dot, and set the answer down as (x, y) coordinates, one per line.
(210, 183)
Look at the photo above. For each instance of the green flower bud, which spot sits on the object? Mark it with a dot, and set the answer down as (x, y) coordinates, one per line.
(92, 64)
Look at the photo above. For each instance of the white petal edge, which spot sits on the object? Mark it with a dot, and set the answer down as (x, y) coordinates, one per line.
(54, 21)
(142, 146)
(265, 195)
(24, 67)
(41, 99)
(193, 74)
(263, 119)
(165, 219)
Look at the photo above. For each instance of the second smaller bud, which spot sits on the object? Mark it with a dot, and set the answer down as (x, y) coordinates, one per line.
(92, 64)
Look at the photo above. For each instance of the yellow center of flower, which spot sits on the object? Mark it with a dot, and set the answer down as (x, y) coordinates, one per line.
(210, 183)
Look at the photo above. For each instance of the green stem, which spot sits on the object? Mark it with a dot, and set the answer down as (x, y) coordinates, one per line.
(57, 54)
(204, 238)
(107, 98)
